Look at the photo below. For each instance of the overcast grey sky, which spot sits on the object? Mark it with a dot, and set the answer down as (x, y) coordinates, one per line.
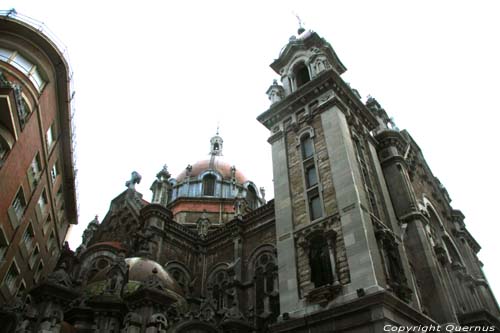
(153, 79)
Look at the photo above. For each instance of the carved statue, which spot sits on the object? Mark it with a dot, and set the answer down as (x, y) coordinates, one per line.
(203, 224)
(60, 277)
(240, 205)
(159, 322)
(51, 321)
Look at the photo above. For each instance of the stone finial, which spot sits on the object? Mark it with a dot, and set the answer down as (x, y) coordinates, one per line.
(161, 187)
(275, 92)
(163, 175)
(134, 179)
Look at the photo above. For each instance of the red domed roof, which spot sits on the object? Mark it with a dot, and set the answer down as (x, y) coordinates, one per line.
(216, 164)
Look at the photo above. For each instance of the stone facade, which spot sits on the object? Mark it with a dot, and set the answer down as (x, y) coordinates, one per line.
(360, 235)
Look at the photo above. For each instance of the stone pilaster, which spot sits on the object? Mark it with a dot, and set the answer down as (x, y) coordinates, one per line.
(435, 298)
(365, 266)
(287, 267)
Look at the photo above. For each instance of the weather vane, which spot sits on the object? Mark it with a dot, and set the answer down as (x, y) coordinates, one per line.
(217, 128)
(301, 23)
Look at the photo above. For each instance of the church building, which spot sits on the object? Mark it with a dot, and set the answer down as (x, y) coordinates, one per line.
(360, 235)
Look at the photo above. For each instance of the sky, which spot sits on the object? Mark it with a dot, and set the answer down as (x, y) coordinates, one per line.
(153, 80)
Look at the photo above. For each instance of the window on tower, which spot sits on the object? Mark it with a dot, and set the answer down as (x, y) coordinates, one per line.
(209, 185)
(306, 144)
(315, 210)
(301, 75)
(319, 262)
(311, 176)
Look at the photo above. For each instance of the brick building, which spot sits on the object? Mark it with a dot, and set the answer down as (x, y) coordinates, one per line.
(360, 234)
(37, 194)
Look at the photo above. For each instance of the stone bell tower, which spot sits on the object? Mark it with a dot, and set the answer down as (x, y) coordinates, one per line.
(338, 239)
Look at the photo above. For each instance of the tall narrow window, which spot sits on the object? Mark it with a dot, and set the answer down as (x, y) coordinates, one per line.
(16, 210)
(34, 257)
(42, 203)
(319, 261)
(301, 75)
(34, 171)
(311, 178)
(4, 245)
(367, 180)
(218, 285)
(266, 286)
(29, 238)
(11, 277)
(47, 224)
(209, 185)
(306, 144)
(51, 135)
(54, 172)
(39, 271)
(315, 210)
(52, 241)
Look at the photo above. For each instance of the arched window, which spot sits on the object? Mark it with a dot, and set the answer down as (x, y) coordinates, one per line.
(180, 277)
(217, 286)
(251, 197)
(209, 185)
(266, 287)
(311, 177)
(319, 262)
(301, 74)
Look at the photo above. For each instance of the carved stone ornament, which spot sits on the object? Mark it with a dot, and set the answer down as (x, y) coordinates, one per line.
(203, 224)
(135, 178)
(275, 92)
(324, 294)
(233, 313)
(324, 227)
(60, 277)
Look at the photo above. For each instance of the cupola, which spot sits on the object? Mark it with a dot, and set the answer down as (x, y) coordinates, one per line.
(305, 57)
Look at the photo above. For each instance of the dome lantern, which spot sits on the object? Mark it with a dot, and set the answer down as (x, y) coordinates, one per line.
(216, 144)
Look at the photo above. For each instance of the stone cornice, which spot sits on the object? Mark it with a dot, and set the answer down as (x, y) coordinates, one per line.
(388, 137)
(156, 210)
(312, 40)
(359, 305)
(328, 80)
